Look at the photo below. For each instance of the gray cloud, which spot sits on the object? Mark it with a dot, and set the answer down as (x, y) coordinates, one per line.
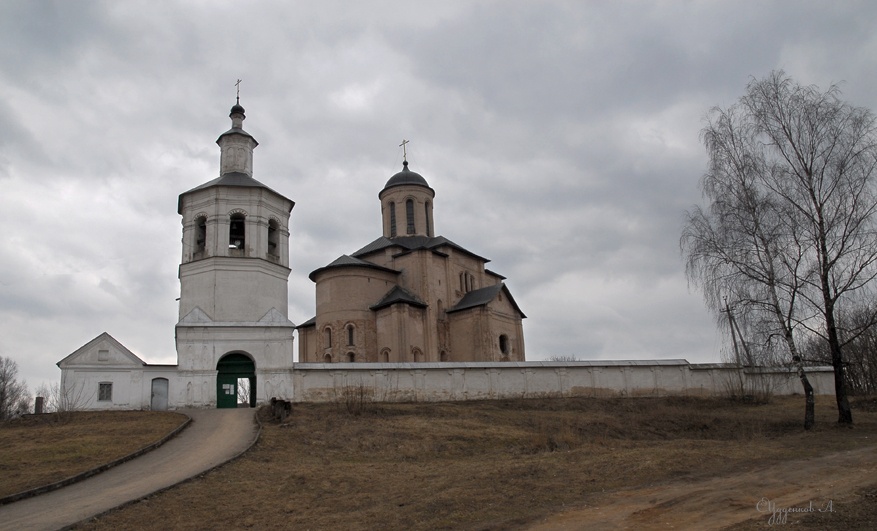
(561, 139)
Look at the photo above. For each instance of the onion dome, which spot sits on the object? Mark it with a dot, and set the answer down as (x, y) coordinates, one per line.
(406, 177)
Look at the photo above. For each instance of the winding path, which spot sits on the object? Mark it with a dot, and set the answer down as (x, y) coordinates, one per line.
(215, 436)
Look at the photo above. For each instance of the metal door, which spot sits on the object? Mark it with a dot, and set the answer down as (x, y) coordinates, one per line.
(159, 394)
(226, 391)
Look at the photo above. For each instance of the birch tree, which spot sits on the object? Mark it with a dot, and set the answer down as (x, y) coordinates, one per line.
(791, 205)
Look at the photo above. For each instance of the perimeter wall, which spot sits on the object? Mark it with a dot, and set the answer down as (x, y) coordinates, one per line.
(325, 382)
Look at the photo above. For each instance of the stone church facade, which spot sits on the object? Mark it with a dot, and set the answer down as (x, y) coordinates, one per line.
(411, 296)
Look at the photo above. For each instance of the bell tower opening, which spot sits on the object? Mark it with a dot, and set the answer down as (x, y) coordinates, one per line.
(237, 232)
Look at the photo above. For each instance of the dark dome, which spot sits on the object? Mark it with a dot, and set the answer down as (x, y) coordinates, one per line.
(236, 109)
(406, 177)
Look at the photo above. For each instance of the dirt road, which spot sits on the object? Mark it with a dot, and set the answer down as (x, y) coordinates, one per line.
(214, 437)
(722, 501)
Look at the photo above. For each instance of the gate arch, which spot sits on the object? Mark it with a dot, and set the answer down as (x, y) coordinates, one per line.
(231, 367)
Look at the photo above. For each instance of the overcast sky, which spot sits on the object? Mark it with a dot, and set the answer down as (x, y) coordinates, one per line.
(561, 138)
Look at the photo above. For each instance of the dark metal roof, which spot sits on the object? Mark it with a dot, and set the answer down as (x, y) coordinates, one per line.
(413, 243)
(406, 177)
(233, 178)
(398, 295)
(310, 322)
(483, 296)
(237, 131)
(494, 273)
(349, 261)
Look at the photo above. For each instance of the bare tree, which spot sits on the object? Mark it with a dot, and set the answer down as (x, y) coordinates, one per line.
(243, 386)
(14, 398)
(741, 251)
(791, 188)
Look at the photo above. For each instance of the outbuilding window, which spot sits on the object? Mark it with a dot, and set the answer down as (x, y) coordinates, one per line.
(105, 391)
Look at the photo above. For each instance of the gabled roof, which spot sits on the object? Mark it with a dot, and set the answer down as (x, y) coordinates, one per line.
(398, 295)
(135, 361)
(413, 243)
(196, 315)
(494, 273)
(349, 261)
(310, 322)
(233, 178)
(483, 296)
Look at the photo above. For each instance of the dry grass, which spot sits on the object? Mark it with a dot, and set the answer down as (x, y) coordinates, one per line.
(481, 465)
(38, 450)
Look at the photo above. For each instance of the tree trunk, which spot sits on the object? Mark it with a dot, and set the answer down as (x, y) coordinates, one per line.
(844, 413)
(809, 408)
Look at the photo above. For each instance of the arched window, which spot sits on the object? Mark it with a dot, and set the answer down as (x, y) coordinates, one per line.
(273, 238)
(351, 357)
(471, 282)
(327, 358)
(417, 354)
(327, 337)
(200, 236)
(392, 207)
(385, 356)
(237, 233)
(351, 335)
(504, 344)
(409, 213)
(426, 211)
(443, 356)
(463, 282)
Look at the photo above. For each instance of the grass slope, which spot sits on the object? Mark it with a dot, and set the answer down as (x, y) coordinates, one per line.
(38, 450)
(481, 465)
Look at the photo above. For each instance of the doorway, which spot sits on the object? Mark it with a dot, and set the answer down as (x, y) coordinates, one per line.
(231, 369)
(158, 400)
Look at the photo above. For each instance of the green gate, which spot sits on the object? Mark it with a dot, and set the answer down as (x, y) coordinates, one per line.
(231, 367)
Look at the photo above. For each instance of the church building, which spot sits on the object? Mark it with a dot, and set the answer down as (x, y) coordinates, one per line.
(233, 330)
(408, 296)
(411, 296)
(409, 316)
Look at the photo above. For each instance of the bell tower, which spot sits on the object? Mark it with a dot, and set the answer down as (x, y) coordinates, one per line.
(233, 280)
